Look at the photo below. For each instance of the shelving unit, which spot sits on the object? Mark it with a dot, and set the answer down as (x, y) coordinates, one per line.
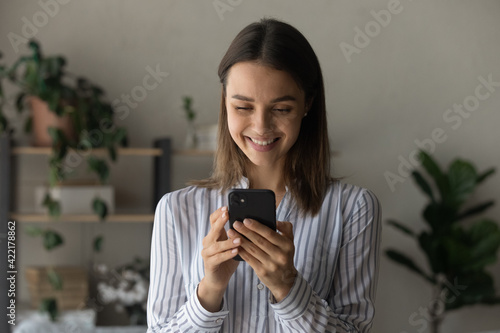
(161, 152)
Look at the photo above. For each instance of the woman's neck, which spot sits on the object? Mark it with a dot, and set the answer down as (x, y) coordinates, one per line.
(271, 178)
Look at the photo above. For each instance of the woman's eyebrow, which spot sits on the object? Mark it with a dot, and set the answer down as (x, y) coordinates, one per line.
(276, 100)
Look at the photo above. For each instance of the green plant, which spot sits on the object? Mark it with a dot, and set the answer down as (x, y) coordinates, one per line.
(51, 240)
(91, 116)
(190, 113)
(457, 250)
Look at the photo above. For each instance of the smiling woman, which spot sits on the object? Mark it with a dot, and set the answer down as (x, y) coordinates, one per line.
(318, 271)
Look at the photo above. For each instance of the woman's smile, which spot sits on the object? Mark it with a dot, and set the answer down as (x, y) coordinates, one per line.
(265, 108)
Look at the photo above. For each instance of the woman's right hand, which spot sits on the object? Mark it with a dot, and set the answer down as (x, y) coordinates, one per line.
(218, 252)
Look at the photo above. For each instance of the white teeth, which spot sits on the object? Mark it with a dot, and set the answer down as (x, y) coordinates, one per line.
(262, 143)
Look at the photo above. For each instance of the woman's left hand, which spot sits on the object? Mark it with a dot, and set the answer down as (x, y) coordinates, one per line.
(269, 253)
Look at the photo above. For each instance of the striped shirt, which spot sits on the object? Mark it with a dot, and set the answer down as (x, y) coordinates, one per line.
(336, 256)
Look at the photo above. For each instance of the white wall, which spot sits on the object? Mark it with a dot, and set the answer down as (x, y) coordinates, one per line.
(394, 91)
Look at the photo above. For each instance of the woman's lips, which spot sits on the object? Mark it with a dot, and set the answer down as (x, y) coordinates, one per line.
(262, 145)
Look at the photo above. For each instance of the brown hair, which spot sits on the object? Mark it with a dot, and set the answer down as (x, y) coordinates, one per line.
(280, 46)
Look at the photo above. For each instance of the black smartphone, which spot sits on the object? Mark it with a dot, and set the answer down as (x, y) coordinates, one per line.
(258, 205)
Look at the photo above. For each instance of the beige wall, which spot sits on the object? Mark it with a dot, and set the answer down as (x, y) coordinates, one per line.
(394, 89)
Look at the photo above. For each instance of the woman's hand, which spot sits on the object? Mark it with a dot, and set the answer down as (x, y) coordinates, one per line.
(217, 254)
(269, 253)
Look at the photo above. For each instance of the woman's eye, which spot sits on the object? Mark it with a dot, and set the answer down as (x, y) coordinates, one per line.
(282, 110)
(242, 108)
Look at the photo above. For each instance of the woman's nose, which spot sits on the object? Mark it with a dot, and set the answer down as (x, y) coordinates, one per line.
(263, 121)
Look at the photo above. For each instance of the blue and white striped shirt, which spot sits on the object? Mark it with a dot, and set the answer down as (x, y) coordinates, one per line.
(336, 256)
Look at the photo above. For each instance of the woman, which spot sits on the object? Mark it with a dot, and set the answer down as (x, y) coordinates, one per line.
(318, 272)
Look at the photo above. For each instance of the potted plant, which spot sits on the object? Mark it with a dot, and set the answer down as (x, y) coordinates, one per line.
(191, 138)
(82, 119)
(457, 249)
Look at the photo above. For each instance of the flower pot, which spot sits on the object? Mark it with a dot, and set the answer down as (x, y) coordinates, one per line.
(43, 118)
(73, 294)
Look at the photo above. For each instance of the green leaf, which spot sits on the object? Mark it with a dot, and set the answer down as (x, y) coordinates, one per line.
(401, 227)
(484, 175)
(52, 205)
(432, 247)
(402, 259)
(98, 242)
(49, 305)
(33, 231)
(422, 183)
(470, 289)
(3, 122)
(439, 216)
(28, 125)
(462, 179)
(55, 279)
(100, 167)
(435, 171)
(476, 210)
(100, 208)
(52, 240)
(112, 153)
(20, 102)
(56, 135)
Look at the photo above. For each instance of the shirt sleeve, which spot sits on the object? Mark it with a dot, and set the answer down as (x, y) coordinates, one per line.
(170, 308)
(350, 303)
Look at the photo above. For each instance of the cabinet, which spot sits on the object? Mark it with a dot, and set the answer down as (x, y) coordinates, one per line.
(161, 152)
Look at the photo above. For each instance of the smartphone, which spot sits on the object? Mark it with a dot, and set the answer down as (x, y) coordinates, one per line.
(258, 205)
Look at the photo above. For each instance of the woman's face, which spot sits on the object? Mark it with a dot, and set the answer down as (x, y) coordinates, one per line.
(265, 108)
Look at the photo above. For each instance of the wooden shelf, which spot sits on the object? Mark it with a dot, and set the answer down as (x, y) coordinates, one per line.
(120, 151)
(194, 152)
(86, 218)
(95, 151)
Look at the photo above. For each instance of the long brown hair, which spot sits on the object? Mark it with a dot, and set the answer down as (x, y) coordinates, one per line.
(307, 173)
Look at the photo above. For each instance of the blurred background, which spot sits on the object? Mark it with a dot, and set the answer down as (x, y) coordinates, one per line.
(398, 75)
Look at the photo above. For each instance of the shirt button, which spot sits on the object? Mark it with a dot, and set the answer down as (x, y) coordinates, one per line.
(219, 321)
(260, 286)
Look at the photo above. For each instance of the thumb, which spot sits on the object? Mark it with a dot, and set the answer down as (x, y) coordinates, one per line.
(286, 228)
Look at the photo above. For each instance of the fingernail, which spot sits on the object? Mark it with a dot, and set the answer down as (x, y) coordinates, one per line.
(237, 241)
(224, 209)
(247, 221)
(237, 225)
(224, 215)
(234, 251)
(231, 233)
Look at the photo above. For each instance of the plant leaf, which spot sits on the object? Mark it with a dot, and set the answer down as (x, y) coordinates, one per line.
(100, 208)
(423, 184)
(401, 227)
(435, 171)
(98, 242)
(20, 102)
(33, 231)
(55, 279)
(484, 175)
(476, 210)
(402, 259)
(49, 305)
(432, 247)
(3, 122)
(52, 240)
(100, 167)
(462, 179)
(28, 125)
